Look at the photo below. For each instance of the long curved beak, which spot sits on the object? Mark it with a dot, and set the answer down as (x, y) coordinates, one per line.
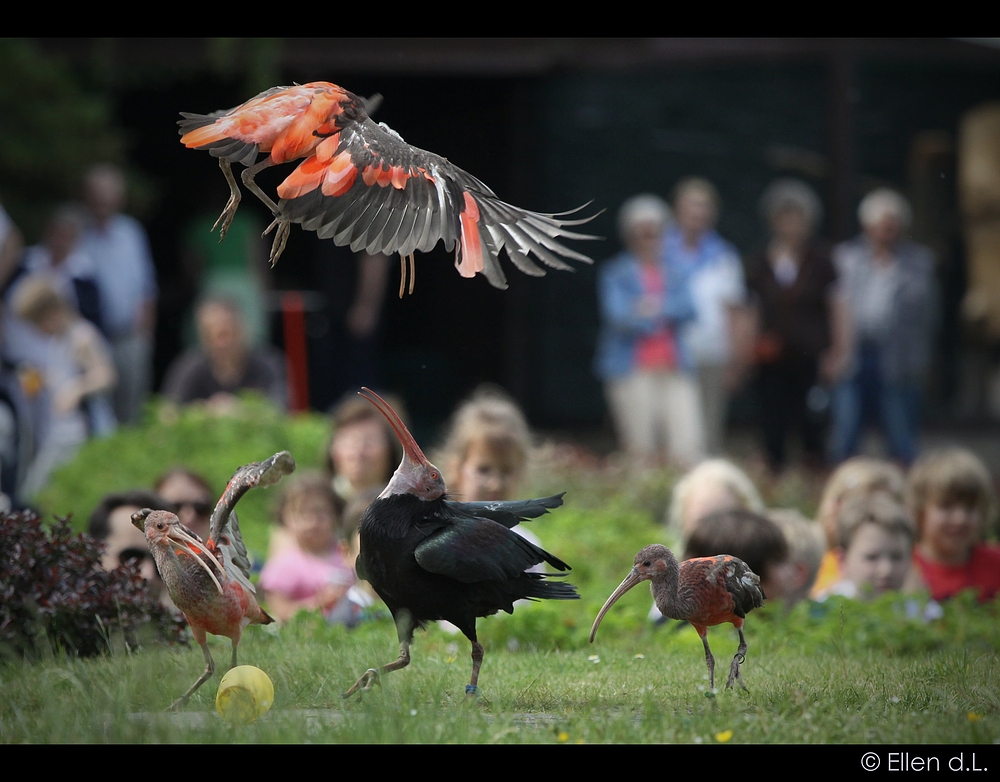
(410, 447)
(630, 581)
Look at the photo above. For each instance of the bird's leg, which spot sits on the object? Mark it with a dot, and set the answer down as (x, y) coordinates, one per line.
(477, 661)
(371, 676)
(738, 660)
(248, 180)
(226, 218)
(402, 273)
(709, 660)
(205, 676)
(232, 663)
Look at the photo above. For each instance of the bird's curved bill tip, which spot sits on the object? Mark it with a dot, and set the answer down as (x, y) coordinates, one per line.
(630, 581)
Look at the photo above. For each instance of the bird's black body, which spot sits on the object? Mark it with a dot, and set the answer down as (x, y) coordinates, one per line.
(440, 559)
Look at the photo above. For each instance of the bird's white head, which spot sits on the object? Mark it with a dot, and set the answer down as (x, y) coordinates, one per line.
(415, 474)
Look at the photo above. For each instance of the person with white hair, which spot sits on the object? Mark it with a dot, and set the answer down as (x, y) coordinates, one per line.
(887, 282)
(648, 380)
(800, 343)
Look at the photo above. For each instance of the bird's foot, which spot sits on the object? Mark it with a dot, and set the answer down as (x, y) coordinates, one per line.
(364, 684)
(226, 218)
(734, 673)
(280, 238)
(471, 690)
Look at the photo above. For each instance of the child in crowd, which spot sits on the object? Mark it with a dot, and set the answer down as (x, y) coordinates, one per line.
(858, 476)
(874, 545)
(312, 572)
(363, 451)
(714, 485)
(806, 545)
(749, 536)
(954, 504)
(77, 375)
(486, 450)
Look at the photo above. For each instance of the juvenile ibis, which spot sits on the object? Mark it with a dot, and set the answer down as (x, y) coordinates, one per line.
(706, 591)
(361, 185)
(431, 558)
(209, 581)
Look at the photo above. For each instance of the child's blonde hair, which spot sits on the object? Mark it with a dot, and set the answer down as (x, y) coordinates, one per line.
(951, 475)
(36, 298)
(718, 471)
(858, 475)
(877, 507)
(489, 416)
(806, 541)
(310, 483)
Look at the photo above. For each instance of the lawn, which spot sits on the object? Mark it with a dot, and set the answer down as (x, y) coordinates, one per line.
(835, 672)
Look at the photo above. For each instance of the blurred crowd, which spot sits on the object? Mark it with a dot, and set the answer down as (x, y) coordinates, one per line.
(832, 338)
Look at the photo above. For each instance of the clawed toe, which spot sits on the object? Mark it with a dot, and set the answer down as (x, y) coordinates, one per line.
(280, 238)
(364, 684)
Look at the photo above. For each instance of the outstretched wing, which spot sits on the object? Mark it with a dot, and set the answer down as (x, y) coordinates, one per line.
(475, 549)
(365, 187)
(508, 512)
(224, 528)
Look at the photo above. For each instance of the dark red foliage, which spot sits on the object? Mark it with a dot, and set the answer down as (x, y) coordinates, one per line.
(55, 594)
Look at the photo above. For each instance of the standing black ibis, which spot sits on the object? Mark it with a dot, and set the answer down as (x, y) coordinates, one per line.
(706, 591)
(431, 558)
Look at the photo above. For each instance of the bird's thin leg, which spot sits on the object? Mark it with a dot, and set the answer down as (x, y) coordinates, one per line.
(232, 663)
(402, 275)
(205, 676)
(477, 661)
(738, 660)
(234, 200)
(413, 273)
(248, 180)
(371, 676)
(710, 661)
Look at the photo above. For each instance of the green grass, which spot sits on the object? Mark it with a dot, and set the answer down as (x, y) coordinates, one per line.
(527, 696)
(836, 672)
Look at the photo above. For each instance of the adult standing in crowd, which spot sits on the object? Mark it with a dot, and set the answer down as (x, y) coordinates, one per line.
(651, 392)
(717, 338)
(800, 347)
(127, 282)
(888, 284)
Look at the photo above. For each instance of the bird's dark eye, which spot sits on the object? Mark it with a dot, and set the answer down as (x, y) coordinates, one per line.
(646, 563)
(434, 476)
(159, 525)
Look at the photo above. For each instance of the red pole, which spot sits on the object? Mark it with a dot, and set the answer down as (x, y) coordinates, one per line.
(293, 313)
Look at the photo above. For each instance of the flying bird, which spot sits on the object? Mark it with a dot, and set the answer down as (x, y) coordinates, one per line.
(361, 185)
(209, 581)
(706, 591)
(431, 558)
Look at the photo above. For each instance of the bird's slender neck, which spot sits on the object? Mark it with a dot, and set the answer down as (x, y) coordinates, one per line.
(665, 588)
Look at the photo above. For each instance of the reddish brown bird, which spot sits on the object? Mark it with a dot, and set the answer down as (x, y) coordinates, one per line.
(706, 591)
(209, 581)
(361, 185)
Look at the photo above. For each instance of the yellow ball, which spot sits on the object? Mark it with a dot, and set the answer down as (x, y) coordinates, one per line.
(245, 693)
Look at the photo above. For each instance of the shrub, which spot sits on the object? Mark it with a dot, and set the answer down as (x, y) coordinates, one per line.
(55, 594)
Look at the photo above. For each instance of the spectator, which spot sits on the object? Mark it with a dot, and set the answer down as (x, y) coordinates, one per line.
(887, 282)
(225, 363)
(126, 281)
(652, 395)
(805, 552)
(73, 362)
(312, 573)
(111, 522)
(859, 475)
(801, 323)
(714, 485)
(363, 451)
(717, 339)
(952, 498)
(192, 498)
(874, 546)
